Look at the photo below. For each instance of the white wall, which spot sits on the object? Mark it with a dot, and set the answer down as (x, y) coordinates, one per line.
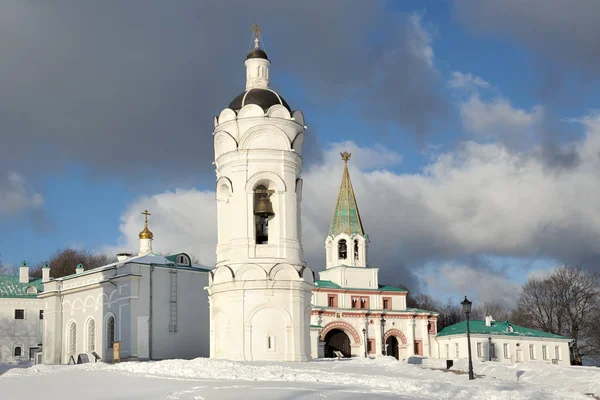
(517, 346)
(25, 333)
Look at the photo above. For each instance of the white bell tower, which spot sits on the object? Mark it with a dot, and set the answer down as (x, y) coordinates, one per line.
(260, 291)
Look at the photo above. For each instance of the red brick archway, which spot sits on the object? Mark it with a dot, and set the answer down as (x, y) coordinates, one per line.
(397, 333)
(344, 326)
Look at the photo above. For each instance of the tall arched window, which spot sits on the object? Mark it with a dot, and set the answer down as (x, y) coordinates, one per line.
(110, 331)
(356, 249)
(91, 335)
(342, 249)
(18, 351)
(73, 338)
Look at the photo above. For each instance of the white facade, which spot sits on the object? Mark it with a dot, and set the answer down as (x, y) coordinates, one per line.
(261, 288)
(21, 317)
(505, 348)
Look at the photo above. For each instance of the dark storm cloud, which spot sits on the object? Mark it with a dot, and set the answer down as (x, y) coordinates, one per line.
(564, 31)
(129, 88)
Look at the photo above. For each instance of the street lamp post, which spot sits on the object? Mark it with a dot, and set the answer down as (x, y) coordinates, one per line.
(365, 337)
(466, 305)
(383, 348)
(490, 347)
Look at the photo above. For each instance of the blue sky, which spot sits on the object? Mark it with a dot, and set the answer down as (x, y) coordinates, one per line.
(89, 195)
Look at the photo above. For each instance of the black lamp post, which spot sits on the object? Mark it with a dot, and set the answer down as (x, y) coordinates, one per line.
(466, 305)
(490, 347)
(383, 348)
(365, 337)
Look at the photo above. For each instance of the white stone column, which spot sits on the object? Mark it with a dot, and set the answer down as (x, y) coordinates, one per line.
(410, 337)
(425, 332)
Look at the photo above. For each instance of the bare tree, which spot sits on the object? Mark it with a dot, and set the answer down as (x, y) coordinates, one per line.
(565, 303)
(63, 262)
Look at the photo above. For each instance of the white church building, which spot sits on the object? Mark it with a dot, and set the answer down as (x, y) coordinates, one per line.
(154, 306)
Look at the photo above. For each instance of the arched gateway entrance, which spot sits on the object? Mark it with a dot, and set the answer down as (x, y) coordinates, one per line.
(336, 339)
(392, 347)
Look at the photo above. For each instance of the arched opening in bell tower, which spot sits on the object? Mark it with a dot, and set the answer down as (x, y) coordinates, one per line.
(263, 211)
(342, 249)
(356, 249)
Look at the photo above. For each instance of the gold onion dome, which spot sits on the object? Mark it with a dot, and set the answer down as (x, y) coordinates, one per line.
(146, 234)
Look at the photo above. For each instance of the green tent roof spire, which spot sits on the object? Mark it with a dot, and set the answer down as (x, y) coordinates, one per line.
(346, 218)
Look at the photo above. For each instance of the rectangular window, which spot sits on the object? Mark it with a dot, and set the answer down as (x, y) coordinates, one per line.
(456, 350)
(387, 303)
(544, 352)
(557, 352)
(19, 314)
(531, 352)
(493, 350)
(447, 351)
(364, 302)
(355, 302)
(506, 352)
(332, 300)
(479, 350)
(41, 314)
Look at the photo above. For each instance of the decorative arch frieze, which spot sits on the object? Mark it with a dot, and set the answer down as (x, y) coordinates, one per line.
(397, 333)
(265, 137)
(223, 188)
(286, 315)
(343, 326)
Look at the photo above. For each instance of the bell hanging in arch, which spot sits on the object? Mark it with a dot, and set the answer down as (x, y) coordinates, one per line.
(264, 207)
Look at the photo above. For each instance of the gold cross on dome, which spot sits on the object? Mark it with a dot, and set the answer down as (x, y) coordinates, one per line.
(145, 214)
(345, 156)
(256, 30)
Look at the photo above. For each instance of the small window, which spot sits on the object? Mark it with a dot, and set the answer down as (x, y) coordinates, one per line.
(447, 351)
(271, 343)
(41, 314)
(479, 350)
(509, 329)
(456, 350)
(355, 249)
(18, 351)
(332, 300)
(531, 352)
(355, 303)
(493, 350)
(387, 303)
(506, 351)
(19, 314)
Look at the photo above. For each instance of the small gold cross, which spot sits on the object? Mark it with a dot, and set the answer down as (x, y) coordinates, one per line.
(256, 29)
(145, 214)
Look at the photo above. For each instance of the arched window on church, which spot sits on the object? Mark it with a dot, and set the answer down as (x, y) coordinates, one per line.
(73, 338)
(110, 331)
(263, 210)
(91, 335)
(356, 249)
(18, 351)
(342, 249)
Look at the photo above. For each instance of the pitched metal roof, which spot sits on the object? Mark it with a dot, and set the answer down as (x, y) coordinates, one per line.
(346, 218)
(11, 287)
(381, 288)
(503, 328)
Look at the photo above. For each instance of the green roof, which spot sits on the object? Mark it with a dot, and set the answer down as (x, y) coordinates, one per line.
(381, 288)
(496, 328)
(346, 218)
(11, 287)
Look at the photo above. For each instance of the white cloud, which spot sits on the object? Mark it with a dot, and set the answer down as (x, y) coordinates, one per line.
(16, 196)
(498, 119)
(458, 80)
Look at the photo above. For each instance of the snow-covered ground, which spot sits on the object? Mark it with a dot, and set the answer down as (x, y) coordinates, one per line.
(322, 379)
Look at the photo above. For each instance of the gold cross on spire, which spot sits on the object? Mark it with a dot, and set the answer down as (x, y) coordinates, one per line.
(345, 156)
(256, 30)
(145, 214)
